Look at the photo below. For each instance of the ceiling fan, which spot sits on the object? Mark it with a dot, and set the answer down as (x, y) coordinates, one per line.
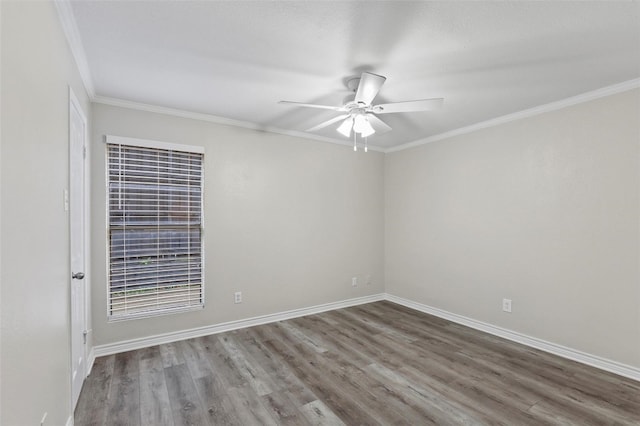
(360, 115)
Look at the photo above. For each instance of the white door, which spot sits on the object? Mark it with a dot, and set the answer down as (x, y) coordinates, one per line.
(77, 132)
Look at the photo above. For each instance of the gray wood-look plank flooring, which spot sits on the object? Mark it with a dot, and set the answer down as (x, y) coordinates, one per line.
(374, 364)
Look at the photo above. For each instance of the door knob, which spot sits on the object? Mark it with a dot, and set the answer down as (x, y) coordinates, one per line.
(77, 275)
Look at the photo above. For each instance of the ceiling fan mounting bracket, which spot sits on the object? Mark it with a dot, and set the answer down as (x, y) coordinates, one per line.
(352, 84)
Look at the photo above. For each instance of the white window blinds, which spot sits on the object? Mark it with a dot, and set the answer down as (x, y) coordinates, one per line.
(155, 229)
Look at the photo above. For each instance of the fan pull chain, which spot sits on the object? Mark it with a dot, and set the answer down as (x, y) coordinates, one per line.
(355, 147)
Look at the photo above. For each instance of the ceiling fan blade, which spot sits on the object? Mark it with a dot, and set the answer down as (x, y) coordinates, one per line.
(378, 125)
(409, 106)
(369, 87)
(300, 104)
(328, 123)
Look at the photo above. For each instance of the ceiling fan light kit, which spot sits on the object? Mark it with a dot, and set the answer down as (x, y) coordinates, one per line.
(359, 114)
(345, 127)
(361, 125)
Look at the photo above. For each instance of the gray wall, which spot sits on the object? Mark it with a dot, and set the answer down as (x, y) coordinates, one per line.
(543, 210)
(37, 69)
(287, 221)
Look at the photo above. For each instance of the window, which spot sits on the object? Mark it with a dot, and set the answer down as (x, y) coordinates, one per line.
(155, 227)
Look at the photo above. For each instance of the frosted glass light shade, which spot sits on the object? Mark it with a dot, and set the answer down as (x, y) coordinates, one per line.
(345, 127)
(361, 125)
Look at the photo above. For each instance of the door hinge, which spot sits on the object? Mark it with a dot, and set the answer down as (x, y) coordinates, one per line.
(84, 336)
(84, 152)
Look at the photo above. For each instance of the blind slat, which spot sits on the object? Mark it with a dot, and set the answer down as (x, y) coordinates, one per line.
(155, 230)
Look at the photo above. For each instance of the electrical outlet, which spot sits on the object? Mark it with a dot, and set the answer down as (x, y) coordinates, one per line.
(354, 282)
(506, 305)
(237, 297)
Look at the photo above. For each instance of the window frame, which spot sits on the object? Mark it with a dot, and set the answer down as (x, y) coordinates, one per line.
(167, 146)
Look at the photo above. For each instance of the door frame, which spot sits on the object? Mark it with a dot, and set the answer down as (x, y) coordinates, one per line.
(74, 104)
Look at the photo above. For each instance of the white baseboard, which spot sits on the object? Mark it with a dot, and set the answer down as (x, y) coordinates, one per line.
(144, 342)
(90, 360)
(543, 345)
(553, 348)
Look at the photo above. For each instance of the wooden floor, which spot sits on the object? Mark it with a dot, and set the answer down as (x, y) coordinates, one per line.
(379, 363)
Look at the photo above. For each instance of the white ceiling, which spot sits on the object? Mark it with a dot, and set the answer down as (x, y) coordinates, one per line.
(237, 59)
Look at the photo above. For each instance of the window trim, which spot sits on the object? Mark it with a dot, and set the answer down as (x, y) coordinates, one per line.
(148, 143)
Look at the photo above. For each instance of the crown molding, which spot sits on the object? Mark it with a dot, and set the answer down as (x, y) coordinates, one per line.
(217, 120)
(70, 28)
(553, 106)
(67, 19)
